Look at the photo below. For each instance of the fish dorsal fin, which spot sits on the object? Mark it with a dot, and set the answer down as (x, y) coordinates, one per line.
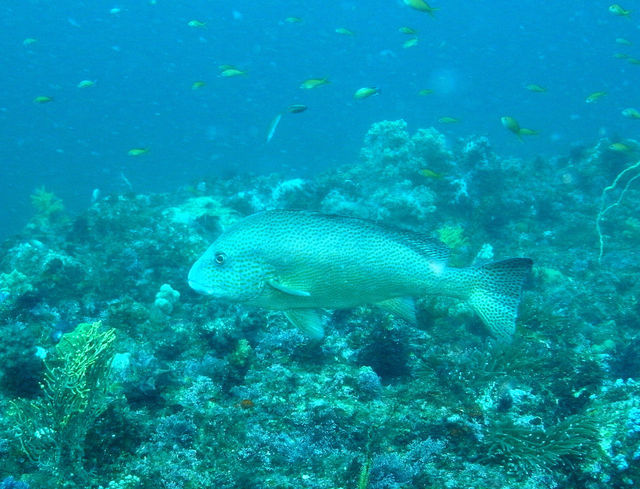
(288, 290)
(404, 307)
(308, 321)
(428, 246)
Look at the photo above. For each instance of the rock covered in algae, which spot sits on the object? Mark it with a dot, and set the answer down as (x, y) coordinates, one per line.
(393, 153)
(166, 298)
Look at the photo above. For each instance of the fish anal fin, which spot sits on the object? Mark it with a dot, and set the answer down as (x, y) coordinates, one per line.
(309, 321)
(403, 307)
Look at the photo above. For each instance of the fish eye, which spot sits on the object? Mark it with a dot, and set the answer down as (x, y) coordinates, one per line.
(220, 258)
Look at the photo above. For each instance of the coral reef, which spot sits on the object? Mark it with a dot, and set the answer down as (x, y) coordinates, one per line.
(194, 392)
(166, 299)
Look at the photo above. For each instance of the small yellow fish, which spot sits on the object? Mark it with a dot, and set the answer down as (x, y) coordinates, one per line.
(532, 87)
(616, 9)
(594, 97)
(230, 72)
(633, 61)
(296, 108)
(86, 84)
(197, 85)
(196, 23)
(426, 91)
(407, 30)
(365, 92)
(314, 83)
(620, 56)
(42, 99)
(293, 20)
(420, 5)
(448, 120)
(620, 147)
(410, 43)
(344, 31)
(622, 41)
(429, 173)
(631, 113)
(137, 151)
(511, 124)
(29, 41)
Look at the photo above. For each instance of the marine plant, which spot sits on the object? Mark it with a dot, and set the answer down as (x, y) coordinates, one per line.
(51, 429)
(46, 203)
(365, 472)
(452, 235)
(528, 448)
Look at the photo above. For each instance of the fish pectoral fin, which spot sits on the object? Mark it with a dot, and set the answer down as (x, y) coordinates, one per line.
(404, 307)
(288, 290)
(307, 320)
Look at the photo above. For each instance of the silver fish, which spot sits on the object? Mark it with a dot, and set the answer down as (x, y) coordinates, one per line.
(273, 125)
(302, 262)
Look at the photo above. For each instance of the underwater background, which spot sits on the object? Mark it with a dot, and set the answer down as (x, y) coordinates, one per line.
(135, 132)
(145, 57)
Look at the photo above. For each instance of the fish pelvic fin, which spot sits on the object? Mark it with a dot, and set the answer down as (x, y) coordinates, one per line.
(496, 294)
(309, 321)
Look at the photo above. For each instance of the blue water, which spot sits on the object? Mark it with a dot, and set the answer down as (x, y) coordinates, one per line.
(477, 56)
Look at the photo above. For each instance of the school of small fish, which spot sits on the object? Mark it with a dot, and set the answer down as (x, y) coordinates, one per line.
(364, 92)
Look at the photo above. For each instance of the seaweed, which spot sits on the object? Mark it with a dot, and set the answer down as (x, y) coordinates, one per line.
(52, 429)
(530, 448)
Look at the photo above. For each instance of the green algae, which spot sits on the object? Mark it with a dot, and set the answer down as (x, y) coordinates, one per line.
(45, 203)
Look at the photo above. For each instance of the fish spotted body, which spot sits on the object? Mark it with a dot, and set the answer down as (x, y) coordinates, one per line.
(302, 262)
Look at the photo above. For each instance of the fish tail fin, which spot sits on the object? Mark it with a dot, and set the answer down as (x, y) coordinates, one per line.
(496, 294)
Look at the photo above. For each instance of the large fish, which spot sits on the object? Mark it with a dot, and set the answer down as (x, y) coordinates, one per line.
(301, 262)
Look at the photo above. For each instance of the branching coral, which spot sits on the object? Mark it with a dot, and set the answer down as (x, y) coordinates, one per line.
(52, 428)
(607, 190)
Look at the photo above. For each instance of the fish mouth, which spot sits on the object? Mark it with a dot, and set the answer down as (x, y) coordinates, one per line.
(201, 288)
